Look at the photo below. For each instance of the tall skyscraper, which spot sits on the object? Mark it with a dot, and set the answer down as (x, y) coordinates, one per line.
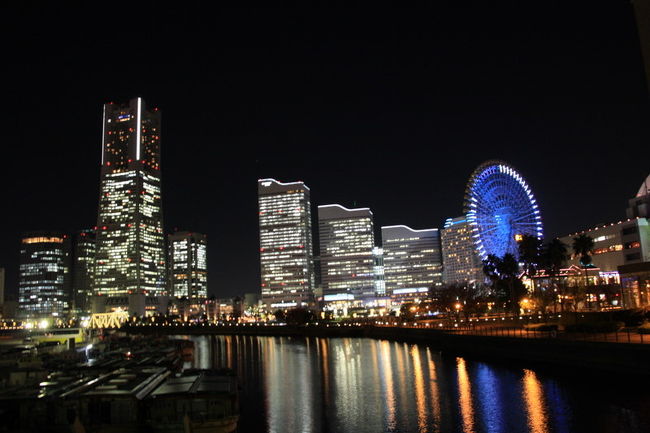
(286, 257)
(461, 263)
(83, 262)
(412, 260)
(188, 265)
(346, 251)
(44, 275)
(130, 239)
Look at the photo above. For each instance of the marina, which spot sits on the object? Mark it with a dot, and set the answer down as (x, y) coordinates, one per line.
(117, 384)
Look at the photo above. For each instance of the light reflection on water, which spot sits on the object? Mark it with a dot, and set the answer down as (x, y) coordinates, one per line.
(364, 385)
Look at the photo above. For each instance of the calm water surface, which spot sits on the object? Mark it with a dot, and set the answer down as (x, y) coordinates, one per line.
(363, 385)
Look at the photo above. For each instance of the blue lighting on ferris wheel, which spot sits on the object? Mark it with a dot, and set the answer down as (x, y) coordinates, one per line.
(499, 205)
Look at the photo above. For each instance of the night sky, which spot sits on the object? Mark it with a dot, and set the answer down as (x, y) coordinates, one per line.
(387, 109)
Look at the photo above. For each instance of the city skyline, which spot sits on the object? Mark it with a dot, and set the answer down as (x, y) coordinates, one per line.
(348, 133)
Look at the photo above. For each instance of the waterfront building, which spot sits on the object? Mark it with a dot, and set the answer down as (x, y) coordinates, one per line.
(188, 266)
(461, 263)
(639, 206)
(44, 275)
(617, 244)
(346, 252)
(83, 262)
(379, 271)
(287, 273)
(130, 254)
(412, 261)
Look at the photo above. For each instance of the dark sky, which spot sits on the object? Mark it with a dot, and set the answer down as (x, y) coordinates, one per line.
(389, 109)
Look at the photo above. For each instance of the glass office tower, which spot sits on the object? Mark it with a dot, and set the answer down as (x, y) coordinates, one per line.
(286, 257)
(412, 260)
(461, 262)
(83, 263)
(44, 275)
(346, 251)
(130, 240)
(188, 265)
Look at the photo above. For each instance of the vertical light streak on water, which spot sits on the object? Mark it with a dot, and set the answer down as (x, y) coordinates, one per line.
(387, 371)
(492, 412)
(325, 367)
(291, 387)
(402, 374)
(348, 382)
(229, 351)
(435, 393)
(533, 395)
(465, 396)
(420, 396)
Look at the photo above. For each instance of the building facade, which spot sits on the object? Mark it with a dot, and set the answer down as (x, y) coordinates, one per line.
(83, 263)
(622, 243)
(130, 254)
(286, 256)
(44, 275)
(188, 265)
(412, 260)
(639, 206)
(346, 251)
(461, 263)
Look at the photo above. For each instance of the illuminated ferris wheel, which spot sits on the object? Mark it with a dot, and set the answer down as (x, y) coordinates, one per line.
(500, 207)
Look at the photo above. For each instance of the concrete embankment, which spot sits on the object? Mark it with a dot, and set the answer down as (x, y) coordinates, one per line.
(592, 355)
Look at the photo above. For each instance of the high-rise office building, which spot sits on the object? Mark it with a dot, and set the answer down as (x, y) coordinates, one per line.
(412, 260)
(461, 263)
(346, 251)
(188, 265)
(286, 257)
(83, 262)
(130, 241)
(44, 275)
(378, 267)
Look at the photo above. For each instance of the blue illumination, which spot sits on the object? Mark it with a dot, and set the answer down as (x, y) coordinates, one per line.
(499, 205)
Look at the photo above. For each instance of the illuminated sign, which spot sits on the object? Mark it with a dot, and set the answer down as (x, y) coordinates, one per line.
(339, 297)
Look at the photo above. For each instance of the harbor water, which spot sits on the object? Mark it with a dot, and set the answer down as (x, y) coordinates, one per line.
(300, 384)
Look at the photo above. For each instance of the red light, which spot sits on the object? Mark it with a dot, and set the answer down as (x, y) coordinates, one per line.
(104, 228)
(108, 163)
(261, 249)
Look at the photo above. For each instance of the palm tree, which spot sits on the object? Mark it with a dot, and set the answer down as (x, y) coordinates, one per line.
(502, 271)
(530, 254)
(554, 258)
(583, 247)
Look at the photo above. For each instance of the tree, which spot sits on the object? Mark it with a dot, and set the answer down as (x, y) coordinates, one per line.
(554, 258)
(502, 271)
(530, 254)
(583, 248)
(300, 316)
